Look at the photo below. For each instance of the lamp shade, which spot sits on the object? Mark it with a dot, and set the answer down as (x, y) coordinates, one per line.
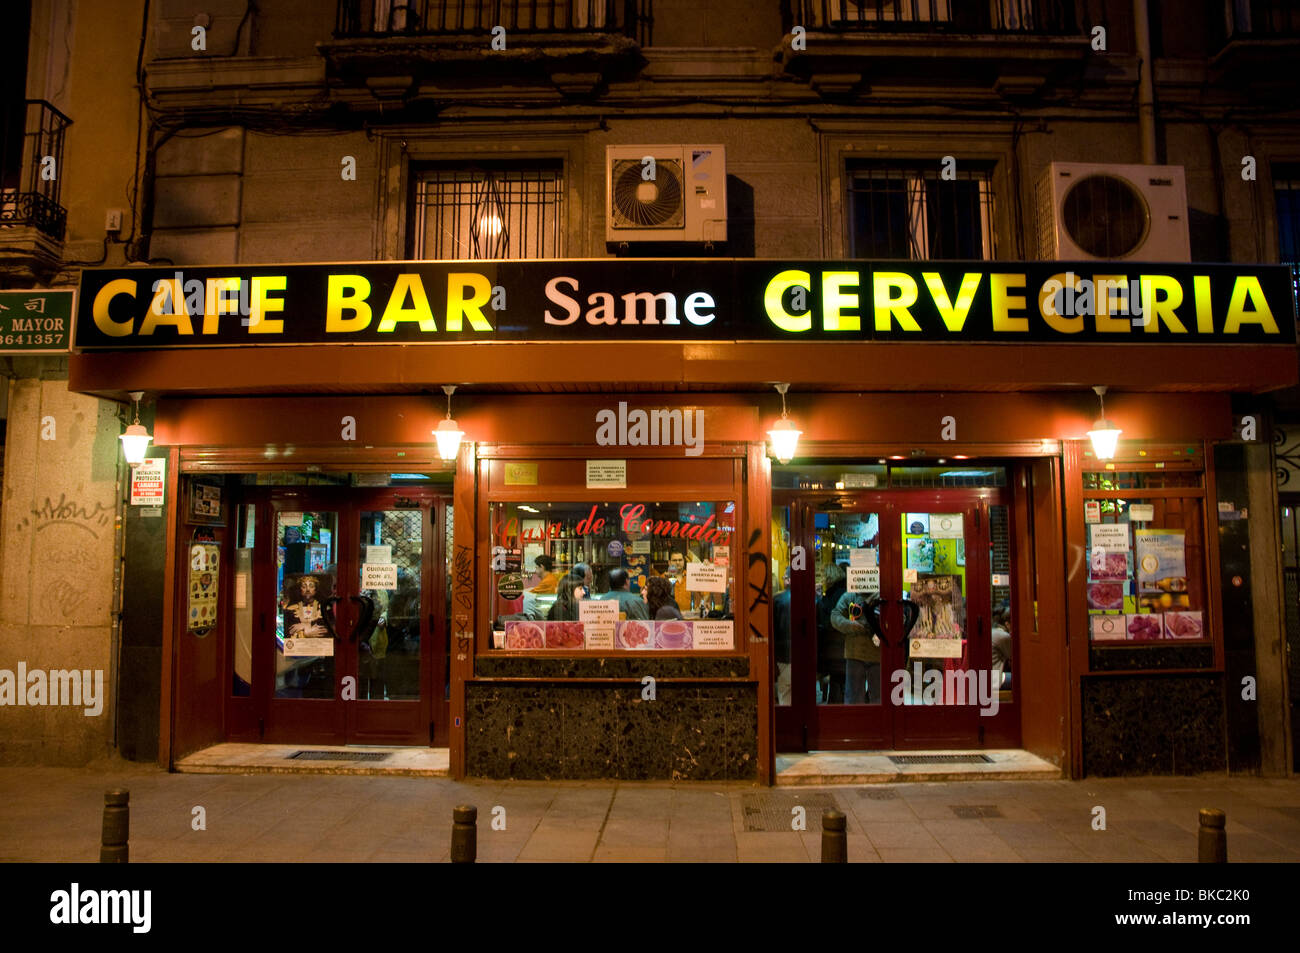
(448, 436)
(1105, 438)
(135, 443)
(785, 439)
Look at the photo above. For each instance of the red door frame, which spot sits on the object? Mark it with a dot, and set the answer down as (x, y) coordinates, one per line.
(334, 721)
(805, 725)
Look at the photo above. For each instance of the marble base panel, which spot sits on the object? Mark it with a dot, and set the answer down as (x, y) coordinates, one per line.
(554, 730)
(1153, 725)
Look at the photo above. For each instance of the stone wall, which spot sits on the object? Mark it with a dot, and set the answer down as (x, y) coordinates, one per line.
(56, 561)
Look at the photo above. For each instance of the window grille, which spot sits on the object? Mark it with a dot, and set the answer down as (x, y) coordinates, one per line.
(914, 212)
(488, 212)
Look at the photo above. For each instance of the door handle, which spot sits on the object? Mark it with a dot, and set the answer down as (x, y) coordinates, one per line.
(911, 613)
(366, 620)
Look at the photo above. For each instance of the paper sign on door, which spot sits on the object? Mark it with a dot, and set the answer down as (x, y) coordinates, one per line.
(864, 579)
(705, 577)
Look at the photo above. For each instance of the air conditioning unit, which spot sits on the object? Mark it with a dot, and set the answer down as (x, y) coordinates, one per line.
(666, 193)
(1110, 212)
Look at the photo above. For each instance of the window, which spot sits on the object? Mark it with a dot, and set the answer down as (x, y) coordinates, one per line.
(1286, 197)
(499, 211)
(915, 212)
(662, 570)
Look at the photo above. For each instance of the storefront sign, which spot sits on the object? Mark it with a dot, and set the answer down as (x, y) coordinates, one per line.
(147, 482)
(606, 474)
(35, 322)
(683, 300)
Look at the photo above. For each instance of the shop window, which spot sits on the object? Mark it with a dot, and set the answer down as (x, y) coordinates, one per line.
(918, 212)
(1145, 554)
(503, 211)
(1286, 198)
(662, 573)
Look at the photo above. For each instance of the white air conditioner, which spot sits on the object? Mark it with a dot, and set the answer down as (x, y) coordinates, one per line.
(666, 193)
(1110, 212)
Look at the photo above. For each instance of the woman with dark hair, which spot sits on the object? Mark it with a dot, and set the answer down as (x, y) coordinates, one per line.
(660, 603)
(572, 590)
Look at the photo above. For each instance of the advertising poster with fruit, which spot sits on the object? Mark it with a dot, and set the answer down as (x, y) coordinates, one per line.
(1161, 557)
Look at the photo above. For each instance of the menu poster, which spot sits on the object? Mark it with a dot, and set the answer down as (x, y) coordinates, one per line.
(1161, 560)
(599, 617)
(712, 634)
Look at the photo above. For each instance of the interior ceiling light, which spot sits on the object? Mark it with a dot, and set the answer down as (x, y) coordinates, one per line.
(1104, 433)
(135, 441)
(448, 433)
(784, 433)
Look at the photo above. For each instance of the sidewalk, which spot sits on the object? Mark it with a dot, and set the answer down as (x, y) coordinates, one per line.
(54, 814)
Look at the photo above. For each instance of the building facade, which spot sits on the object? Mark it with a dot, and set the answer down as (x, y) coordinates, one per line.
(613, 226)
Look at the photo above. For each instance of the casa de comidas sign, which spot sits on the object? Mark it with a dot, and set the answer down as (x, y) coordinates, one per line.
(689, 300)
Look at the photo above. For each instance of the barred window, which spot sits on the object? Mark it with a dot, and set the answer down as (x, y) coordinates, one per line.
(497, 211)
(915, 212)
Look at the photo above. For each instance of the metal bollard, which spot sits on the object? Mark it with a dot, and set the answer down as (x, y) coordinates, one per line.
(835, 839)
(464, 834)
(117, 827)
(1212, 839)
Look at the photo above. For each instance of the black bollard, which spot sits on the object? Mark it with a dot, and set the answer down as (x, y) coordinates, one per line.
(464, 834)
(117, 827)
(1212, 839)
(835, 839)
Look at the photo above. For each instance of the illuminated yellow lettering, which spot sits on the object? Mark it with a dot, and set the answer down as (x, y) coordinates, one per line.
(118, 286)
(347, 293)
(177, 317)
(458, 283)
(1248, 286)
(1102, 286)
(215, 303)
(1155, 311)
(776, 289)
(890, 308)
(1204, 314)
(1047, 307)
(954, 317)
(419, 310)
(834, 301)
(1001, 302)
(259, 304)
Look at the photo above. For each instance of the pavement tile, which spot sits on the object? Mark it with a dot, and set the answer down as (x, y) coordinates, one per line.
(630, 855)
(572, 845)
(898, 836)
(913, 855)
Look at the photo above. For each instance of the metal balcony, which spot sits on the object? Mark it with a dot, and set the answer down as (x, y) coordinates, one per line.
(407, 18)
(1020, 17)
(31, 167)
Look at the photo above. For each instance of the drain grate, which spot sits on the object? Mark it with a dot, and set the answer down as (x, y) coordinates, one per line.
(338, 755)
(971, 812)
(940, 759)
(882, 794)
(774, 813)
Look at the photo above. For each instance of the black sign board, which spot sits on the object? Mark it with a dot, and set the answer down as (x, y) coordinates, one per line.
(687, 300)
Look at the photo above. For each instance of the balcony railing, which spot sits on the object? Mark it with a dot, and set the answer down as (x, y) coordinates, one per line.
(408, 18)
(31, 167)
(1261, 19)
(1038, 17)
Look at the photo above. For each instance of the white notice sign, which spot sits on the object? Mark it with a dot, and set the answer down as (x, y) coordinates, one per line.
(606, 474)
(1141, 512)
(711, 634)
(705, 577)
(863, 556)
(378, 576)
(598, 618)
(304, 648)
(864, 579)
(290, 519)
(147, 482)
(241, 590)
(945, 526)
(1111, 537)
(379, 554)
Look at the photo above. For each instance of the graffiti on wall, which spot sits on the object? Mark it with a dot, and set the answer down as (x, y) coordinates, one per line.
(760, 582)
(66, 557)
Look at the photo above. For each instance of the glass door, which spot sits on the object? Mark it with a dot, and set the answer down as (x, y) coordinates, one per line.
(354, 631)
